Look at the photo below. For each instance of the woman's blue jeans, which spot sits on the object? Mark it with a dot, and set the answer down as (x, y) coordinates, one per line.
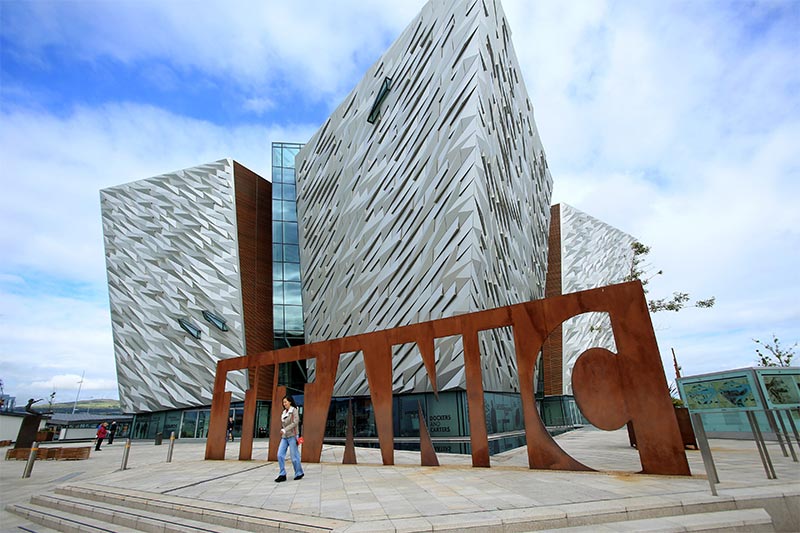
(290, 443)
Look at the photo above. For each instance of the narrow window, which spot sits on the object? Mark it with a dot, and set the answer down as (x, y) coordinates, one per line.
(189, 328)
(215, 319)
(375, 112)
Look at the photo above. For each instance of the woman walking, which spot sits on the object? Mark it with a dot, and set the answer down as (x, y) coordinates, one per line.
(290, 424)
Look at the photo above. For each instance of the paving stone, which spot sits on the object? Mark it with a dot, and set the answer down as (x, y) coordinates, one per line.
(407, 491)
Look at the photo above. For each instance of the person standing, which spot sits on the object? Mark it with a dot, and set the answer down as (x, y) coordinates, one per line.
(102, 431)
(112, 430)
(290, 424)
(230, 428)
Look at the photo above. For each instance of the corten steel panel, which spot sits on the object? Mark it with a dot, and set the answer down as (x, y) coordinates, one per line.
(378, 365)
(610, 388)
(249, 415)
(349, 457)
(552, 355)
(553, 284)
(254, 230)
(427, 453)
(254, 220)
(476, 410)
(543, 452)
(248, 422)
(217, 424)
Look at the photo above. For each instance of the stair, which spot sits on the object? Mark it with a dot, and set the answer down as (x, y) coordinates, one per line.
(744, 520)
(28, 527)
(98, 510)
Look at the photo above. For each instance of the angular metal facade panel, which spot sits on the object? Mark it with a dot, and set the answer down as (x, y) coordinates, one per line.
(593, 254)
(439, 207)
(171, 253)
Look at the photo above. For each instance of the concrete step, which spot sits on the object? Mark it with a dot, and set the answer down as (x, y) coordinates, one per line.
(744, 520)
(16, 524)
(58, 520)
(217, 515)
(115, 516)
(118, 508)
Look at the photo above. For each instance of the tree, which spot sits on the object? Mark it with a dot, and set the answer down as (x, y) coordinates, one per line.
(675, 395)
(777, 356)
(639, 271)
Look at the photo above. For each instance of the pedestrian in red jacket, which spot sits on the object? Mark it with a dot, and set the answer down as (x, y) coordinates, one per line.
(101, 434)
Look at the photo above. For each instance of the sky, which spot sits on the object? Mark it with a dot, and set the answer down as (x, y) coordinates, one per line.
(677, 122)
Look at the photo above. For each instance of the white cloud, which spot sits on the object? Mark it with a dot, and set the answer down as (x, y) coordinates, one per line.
(71, 382)
(678, 123)
(54, 317)
(315, 46)
(58, 165)
(43, 334)
(258, 104)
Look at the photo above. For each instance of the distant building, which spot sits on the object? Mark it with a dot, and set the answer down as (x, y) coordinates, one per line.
(81, 426)
(585, 253)
(189, 261)
(7, 402)
(203, 264)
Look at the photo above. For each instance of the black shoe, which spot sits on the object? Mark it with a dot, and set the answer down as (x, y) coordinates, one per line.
(299, 476)
(280, 478)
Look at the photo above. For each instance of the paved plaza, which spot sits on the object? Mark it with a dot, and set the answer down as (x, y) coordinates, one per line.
(407, 497)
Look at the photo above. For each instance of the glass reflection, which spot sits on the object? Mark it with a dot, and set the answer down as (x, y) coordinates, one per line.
(291, 271)
(290, 232)
(291, 254)
(292, 293)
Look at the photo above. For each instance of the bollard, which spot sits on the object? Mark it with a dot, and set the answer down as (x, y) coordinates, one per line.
(31, 459)
(171, 445)
(125, 454)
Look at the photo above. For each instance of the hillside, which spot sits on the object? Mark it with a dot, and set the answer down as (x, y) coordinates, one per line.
(99, 406)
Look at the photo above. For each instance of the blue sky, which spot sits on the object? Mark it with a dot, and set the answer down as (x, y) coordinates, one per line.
(677, 122)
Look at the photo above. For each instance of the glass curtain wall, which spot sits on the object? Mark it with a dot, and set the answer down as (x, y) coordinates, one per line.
(287, 300)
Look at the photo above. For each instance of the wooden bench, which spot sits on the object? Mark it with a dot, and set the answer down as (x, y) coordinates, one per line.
(21, 454)
(73, 454)
(47, 453)
(43, 454)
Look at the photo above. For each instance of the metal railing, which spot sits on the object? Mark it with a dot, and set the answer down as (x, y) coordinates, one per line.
(780, 421)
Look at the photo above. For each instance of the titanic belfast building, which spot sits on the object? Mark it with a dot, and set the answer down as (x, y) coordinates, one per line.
(426, 194)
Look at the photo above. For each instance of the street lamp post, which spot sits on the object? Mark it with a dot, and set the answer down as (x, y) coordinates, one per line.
(80, 384)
